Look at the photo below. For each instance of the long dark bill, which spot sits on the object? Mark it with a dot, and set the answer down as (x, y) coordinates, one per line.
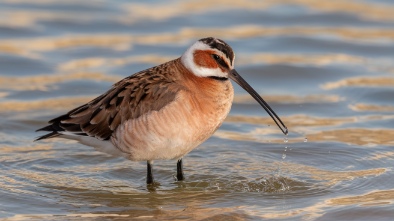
(241, 82)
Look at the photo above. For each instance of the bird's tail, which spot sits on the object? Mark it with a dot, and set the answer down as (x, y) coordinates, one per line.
(53, 132)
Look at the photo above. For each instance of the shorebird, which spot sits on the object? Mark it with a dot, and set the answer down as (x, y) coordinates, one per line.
(163, 112)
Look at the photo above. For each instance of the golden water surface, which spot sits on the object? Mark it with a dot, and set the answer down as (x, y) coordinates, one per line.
(325, 67)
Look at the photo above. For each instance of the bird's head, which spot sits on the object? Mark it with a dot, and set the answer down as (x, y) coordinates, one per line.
(213, 58)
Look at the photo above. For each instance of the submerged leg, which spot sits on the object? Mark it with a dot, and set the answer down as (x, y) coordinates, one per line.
(149, 176)
(179, 170)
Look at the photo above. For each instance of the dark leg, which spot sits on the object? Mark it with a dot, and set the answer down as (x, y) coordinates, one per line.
(179, 170)
(149, 176)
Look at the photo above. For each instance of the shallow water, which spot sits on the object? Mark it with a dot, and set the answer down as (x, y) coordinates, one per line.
(326, 67)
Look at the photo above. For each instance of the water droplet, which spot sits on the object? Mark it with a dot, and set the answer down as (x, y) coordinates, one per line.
(305, 139)
(285, 140)
(283, 156)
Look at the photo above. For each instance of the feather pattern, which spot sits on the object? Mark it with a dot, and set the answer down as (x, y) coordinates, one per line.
(132, 97)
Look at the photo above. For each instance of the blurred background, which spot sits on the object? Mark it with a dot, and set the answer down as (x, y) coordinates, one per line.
(325, 67)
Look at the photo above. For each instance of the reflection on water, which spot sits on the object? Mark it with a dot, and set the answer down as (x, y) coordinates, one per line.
(96, 62)
(361, 82)
(356, 136)
(368, 107)
(125, 42)
(55, 104)
(324, 66)
(45, 82)
(369, 199)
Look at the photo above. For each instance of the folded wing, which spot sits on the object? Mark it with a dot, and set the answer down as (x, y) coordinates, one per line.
(130, 98)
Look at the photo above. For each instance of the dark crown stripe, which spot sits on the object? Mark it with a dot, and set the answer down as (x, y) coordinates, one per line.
(221, 46)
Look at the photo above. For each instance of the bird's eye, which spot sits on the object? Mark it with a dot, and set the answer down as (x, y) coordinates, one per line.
(216, 57)
(220, 61)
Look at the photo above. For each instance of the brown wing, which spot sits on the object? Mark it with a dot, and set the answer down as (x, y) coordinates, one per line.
(130, 98)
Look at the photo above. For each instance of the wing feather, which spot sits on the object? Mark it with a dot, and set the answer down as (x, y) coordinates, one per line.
(130, 98)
